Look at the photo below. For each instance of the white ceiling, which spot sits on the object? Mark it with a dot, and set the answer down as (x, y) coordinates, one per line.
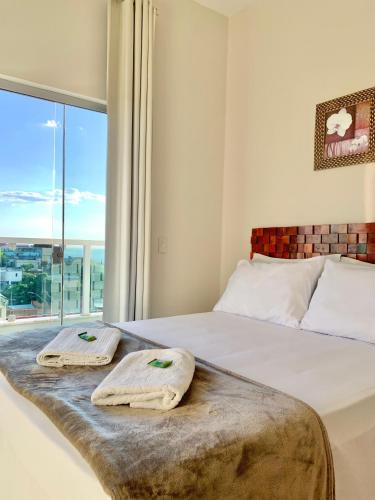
(226, 7)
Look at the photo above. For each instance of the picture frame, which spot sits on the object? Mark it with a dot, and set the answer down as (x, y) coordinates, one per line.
(345, 130)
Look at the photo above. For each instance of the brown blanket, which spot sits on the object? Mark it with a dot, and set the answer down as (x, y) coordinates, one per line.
(229, 438)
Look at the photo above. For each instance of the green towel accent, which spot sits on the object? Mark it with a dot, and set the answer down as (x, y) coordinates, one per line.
(159, 363)
(85, 336)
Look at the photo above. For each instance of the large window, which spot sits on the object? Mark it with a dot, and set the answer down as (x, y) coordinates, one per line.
(52, 209)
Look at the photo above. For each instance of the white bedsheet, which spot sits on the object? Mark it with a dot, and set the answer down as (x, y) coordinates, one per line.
(335, 376)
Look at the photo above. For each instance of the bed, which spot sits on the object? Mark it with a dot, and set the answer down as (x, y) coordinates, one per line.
(335, 376)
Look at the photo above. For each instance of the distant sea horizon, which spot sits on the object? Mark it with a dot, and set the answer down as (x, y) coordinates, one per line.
(97, 253)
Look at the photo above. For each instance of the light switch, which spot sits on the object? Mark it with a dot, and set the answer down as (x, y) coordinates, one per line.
(162, 244)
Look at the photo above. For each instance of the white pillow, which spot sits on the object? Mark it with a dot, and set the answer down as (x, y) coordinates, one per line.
(258, 257)
(356, 262)
(344, 302)
(279, 293)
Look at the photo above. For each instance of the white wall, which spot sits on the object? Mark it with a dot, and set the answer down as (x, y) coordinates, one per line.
(58, 43)
(284, 57)
(62, 43)
(189, 112)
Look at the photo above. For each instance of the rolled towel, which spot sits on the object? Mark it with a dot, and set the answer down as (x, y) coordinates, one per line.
(67, 348)
(141, 385)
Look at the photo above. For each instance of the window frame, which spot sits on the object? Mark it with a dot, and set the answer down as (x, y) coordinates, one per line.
(32, 89)
(50, 94)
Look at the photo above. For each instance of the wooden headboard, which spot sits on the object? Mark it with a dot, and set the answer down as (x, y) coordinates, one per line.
(300, 242)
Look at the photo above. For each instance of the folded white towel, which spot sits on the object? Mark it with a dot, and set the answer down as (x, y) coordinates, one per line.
(141, 385)
(67, 348)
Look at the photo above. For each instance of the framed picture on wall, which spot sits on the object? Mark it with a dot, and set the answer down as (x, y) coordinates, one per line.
(344, 131)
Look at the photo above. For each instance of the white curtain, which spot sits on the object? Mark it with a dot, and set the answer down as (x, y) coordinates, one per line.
(127, 263)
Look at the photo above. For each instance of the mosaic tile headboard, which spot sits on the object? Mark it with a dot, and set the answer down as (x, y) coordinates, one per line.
(300, 242)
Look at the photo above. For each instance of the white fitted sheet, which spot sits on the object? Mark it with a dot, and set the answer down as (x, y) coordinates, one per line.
(335, 376)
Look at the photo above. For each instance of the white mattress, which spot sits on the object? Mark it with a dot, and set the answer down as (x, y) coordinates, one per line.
(335, 376)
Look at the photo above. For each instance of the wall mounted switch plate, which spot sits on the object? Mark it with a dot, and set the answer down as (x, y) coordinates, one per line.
(162, 244)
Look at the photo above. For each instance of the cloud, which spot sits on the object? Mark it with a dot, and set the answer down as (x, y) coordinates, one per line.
(77, 196)
(23, 197)
(51, 124)
(73, 196)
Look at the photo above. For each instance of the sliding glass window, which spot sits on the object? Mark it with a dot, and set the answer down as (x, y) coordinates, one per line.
(52, 211)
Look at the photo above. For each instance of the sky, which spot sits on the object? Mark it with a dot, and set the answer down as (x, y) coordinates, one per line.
(31, 154)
